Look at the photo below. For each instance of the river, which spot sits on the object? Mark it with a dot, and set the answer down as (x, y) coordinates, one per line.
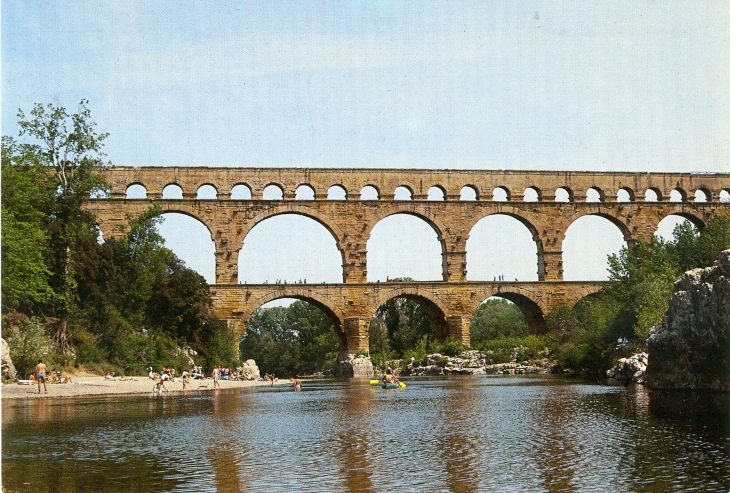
(458, 434)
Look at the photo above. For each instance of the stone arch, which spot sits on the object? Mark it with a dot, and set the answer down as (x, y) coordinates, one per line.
(704, 191)
(334, 232)
(177, 208)
(368, 190)
(532, 194)
(564, 194)
(132, 187)
(241, 191)
(696, 221)
(724, 195)
(533, 312)
(292, 208)
(420, 256)
(581, 294)
(524, 222)
(172, 188)
(469, 193)
(625, 194)
(435, 222)
(678, 195)
(613, 216)
(191, 239)
(403, 192)
(501, 194)
(274, 191)
(205, 189)
(435, 307)
(436, 193)
(305, 191)
(595, 194)
(597, 242)
(653, 194)
(336, 192)
(324, 304)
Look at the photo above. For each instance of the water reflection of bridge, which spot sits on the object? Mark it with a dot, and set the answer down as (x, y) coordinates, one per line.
(451, 202)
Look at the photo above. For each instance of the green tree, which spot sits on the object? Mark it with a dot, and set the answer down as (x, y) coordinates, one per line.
(69, 146)
(496, 318)
(642, 282)
(694, 248)
(400, 325)
(292, 340)
(25, 195)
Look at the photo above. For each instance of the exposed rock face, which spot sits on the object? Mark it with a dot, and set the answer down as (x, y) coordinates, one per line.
(250, 367)
(632, 369)
(354, 367)
(472, 363)
(690, 349)
(8, 369)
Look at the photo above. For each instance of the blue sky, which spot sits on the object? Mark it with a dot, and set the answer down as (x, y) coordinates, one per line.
(635, 86)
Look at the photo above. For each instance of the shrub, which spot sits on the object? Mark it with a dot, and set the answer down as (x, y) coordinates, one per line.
(451, 348)
(29, 343)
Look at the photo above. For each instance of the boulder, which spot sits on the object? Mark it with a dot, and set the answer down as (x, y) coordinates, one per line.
(357, 367)
(250, 367)
(8, 369)
(632, 369)
(690, 348)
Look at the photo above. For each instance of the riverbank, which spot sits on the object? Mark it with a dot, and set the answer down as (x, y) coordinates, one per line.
(85, 385)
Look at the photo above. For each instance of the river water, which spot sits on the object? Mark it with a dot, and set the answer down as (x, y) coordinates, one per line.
(459, 434)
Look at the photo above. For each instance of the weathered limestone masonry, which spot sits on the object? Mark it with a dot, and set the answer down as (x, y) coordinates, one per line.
(464, 197)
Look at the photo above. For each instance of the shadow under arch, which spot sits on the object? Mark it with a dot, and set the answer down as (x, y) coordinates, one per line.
(534, 315)
(434, 307)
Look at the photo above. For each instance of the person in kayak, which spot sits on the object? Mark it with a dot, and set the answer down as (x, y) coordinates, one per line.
(389, 377)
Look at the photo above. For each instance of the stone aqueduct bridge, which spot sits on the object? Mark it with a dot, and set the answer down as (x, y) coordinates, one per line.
(452, 301)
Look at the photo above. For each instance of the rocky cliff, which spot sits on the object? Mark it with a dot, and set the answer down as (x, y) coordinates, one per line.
(690, 349)
(8, 369)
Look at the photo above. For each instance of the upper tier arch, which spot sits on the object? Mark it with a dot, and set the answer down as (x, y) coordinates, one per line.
(419, 181)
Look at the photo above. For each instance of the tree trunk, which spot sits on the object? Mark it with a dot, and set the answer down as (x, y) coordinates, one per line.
(61, 335)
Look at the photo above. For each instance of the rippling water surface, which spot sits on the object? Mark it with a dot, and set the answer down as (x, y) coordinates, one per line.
(462, 434)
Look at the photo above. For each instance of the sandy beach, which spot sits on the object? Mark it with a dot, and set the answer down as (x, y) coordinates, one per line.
(84, 385)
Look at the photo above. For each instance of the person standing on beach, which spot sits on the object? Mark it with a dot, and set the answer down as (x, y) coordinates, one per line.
(216, 378)
(40, 374)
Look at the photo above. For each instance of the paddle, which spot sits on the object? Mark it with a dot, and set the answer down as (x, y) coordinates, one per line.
(376, 382)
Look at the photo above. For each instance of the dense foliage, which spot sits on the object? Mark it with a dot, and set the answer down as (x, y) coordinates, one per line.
(125, 303)
(642, 282)
(287, 341)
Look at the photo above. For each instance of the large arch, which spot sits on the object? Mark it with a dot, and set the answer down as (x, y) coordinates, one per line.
(191, 241)
(391, 256)
(590, 234)
(322, 303)
(518, 234)
(434, 307)
(666, 226)
(532, 312)
(275, 250)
